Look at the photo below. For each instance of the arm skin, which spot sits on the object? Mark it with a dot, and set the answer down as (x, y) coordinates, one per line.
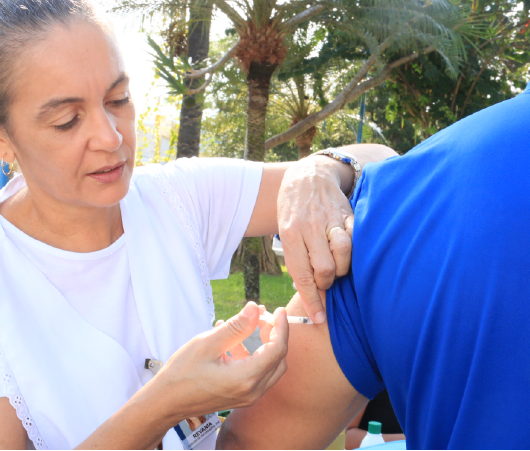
(9, 421)
(307, 408)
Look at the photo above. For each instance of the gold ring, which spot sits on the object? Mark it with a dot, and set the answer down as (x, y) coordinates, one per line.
(331, 230)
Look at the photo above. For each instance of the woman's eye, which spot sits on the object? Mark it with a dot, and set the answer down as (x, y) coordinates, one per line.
(121, 102)
(68, 125)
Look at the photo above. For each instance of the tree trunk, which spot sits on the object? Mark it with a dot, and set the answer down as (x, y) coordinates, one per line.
(305, 141)
(189, 138)
(258, 84)
(304, 150)
(251, 252)
(269, 263)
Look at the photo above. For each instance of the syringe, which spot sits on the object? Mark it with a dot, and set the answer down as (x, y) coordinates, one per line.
(269, 317)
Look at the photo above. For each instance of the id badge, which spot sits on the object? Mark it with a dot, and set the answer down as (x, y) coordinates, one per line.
(194, 430)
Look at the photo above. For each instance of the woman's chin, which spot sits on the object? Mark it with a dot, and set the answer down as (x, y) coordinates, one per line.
(110, 194)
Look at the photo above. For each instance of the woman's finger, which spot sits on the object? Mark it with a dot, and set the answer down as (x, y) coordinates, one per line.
(239, 352)
(341, 246)
(278, 372)
(321, 257)
(232, 332)
(297, 260)
(322, 260)
(264, 331)
(348, 224)
(268, 356)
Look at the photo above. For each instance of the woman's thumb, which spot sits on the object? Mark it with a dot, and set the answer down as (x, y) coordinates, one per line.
(236, 329)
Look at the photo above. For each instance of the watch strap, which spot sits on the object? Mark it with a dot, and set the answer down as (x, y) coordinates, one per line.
(346, 158)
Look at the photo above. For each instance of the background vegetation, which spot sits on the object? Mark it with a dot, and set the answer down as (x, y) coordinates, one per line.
(288, 78)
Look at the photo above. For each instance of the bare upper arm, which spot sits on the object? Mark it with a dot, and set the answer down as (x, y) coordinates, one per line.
(310, 405)
(12, 433)
(263, 220)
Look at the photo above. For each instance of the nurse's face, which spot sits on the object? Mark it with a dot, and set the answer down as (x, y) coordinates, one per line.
(72, 121)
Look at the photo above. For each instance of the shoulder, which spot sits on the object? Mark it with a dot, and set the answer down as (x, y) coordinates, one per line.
(195, 167)
(199, 176)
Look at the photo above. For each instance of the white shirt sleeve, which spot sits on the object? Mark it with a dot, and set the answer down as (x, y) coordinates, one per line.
(220, 195)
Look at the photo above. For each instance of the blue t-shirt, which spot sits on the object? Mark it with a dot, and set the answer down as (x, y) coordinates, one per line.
(437, 305)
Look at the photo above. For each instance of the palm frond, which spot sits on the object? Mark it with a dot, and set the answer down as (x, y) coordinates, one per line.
(168, 70)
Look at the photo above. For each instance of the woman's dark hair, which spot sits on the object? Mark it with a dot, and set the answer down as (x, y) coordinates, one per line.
(24, 22)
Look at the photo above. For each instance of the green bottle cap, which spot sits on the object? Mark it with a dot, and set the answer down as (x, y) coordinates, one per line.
(374, 427)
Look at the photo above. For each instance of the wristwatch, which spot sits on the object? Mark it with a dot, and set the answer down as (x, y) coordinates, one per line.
(346, 158)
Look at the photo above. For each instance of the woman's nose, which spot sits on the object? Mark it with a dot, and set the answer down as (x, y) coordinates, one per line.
(104, 133)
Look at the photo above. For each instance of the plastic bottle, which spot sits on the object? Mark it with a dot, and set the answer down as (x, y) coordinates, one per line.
(374, 436)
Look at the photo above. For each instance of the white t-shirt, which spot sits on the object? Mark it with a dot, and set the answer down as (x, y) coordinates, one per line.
(221, 197)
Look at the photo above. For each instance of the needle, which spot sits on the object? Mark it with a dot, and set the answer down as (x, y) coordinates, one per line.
(269, 317)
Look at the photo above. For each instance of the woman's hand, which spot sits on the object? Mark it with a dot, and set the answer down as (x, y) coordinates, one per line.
(304, 201)
(200, 378)
(311, 203)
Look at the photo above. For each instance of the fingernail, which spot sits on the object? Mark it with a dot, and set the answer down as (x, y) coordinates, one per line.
(320, 318)
(248, 311)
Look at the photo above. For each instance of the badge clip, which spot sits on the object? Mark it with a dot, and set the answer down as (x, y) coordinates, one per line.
(154, 365)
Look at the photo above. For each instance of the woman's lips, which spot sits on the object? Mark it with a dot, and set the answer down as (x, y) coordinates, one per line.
(110, 176)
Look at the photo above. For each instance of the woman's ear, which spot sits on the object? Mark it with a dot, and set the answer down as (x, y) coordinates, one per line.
(7, 152)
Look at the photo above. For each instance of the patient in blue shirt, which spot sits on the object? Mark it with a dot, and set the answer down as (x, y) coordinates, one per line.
(436, 307)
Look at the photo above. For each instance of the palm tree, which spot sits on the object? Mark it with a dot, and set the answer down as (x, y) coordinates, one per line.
(198, 45)
(393, 34)
(188, 38)
(294, 102)
(390, 33)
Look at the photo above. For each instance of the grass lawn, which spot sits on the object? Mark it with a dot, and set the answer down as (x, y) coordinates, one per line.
(229, 294)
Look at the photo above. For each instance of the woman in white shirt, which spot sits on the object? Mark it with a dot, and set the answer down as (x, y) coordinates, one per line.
(105, 270)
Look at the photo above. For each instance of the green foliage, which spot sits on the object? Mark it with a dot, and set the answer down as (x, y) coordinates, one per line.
(423, 95)
(327, 52)
(224, 119)
(169, 68)
(229, 294)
